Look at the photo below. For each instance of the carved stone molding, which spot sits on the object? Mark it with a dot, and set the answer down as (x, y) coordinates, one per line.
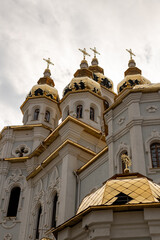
(21, 150)
(16, 177)
(151, 109)
(8, 236)
(121, 120)
(38, 197)
(9, 222)
(54, 185)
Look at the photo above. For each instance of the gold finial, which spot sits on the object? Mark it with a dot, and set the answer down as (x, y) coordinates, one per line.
(127, 161)
(84, 52)
(131, 53)
(48, 62)
(95, 51)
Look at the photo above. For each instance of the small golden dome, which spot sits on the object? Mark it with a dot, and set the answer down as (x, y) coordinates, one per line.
(103, 80)
(132, 77)
(45, 87)
(82, 83)
(131, 81)
(84, 64)
(98, 75)
(44, 90)
(83, 79)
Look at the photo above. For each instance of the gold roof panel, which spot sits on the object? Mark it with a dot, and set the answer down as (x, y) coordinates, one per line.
(123, 191)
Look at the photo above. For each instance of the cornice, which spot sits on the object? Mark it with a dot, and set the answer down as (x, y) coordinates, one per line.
(92, 160)
(35, 97)
(25, 127)
(126, 92)
(80, 91)
(55, 154)
(116, 208)
(17, 159)
(53, 135)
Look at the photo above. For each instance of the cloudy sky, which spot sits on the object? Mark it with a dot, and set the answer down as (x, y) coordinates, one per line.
(33, 29)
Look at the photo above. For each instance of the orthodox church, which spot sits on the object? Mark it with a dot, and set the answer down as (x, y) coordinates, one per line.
(86, 166)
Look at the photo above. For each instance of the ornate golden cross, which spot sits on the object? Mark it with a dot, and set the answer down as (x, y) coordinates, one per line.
(131, 53)
(48, 62)
(84, 53)
(95, 51)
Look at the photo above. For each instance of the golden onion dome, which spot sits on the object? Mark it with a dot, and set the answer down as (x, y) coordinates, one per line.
(123, 189)
(132, 77)
(45, 87)
(83, 80)
(98, 75)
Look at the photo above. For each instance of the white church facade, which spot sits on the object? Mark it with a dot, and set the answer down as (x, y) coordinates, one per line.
(66, 180)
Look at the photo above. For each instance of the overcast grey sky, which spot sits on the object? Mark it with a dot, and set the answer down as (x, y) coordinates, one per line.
(33, 29)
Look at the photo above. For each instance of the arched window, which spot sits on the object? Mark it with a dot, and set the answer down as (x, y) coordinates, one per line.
(79, 111)
(55, 199)
(92, 113)
(106, 105)
(47, 116)
(38, 222)
(13, 202)
(155, 154)
(36, 114)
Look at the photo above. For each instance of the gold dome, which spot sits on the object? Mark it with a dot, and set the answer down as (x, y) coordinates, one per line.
(131, 81)
(83, 83)
(83, 80)
(123, 189)
(44, 90)
(45, 87)
(98, 74)
(132, 77)
(103, 80)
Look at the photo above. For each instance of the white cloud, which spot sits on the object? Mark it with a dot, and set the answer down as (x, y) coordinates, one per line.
(33, 29)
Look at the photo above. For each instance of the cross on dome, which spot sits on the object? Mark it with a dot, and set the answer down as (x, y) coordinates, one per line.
(48, 62)
(131, 53)
(84, 52)
(95, 51)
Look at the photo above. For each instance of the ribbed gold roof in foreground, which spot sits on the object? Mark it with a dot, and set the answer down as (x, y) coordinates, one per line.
(123, 189)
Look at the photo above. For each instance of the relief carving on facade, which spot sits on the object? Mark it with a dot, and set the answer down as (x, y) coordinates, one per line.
(151, 109)
(15, 179)
(121, 120)
(53, 187)
(8, 236)
(54, 184)
(38, 197)
(21, 150)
